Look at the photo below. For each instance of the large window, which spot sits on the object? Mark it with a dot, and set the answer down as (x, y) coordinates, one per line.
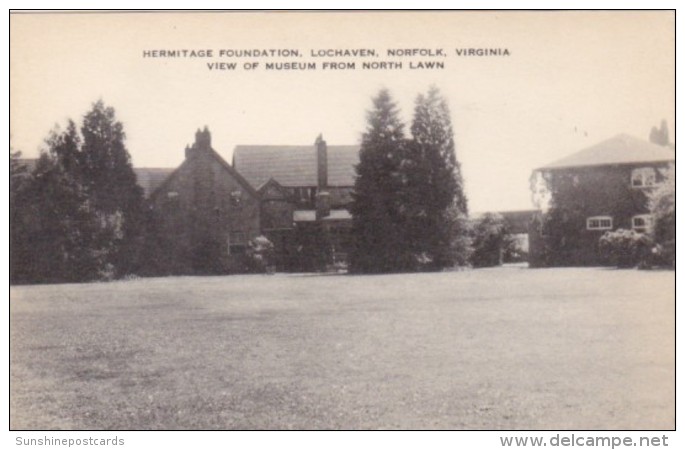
(642, 222)
(600, 223)
(643, 177)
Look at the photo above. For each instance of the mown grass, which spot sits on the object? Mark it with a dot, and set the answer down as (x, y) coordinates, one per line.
(505, 348)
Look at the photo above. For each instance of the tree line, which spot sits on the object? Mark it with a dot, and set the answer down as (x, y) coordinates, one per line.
(409, 208)
(79, 214)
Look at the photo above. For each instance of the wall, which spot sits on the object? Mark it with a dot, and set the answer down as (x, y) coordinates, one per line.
(207, 213)
(560, 237)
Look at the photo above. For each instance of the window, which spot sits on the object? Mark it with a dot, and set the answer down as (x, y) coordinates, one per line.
(304, 195)
(643, 177)
(642, 223)
(172, 202)
(237, 242)
(600, 223)
(236, 198)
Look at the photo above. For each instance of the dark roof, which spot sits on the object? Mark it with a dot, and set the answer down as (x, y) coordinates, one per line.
(294, 165)
(150, 178)
(226, 166)
(518, 221)
(621, 149)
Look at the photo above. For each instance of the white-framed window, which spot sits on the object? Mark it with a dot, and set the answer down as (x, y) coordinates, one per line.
(642, 222)
(643, 177)
(600, 223)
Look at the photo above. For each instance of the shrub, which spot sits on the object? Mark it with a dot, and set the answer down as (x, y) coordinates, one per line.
(260, 254)
(626, 248)
(489, 239)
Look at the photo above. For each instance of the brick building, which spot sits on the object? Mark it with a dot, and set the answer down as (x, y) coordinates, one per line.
(206, 210)
(598, 189)
(296, 196)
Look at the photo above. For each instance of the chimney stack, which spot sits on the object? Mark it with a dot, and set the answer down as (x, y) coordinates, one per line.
(323, 202)
(203, 141)
(321, 163)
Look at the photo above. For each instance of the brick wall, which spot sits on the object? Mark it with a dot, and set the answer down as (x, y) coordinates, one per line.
(580, 193)
(207, 211)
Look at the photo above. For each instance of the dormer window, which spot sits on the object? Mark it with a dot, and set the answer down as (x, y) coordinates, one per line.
(642, 223)
(643, 177)
(600, 223)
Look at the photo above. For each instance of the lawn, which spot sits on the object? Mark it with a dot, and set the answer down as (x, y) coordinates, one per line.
(504, 348)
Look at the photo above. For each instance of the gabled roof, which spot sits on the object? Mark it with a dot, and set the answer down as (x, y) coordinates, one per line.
(294, 165)
(237, 175)
(270, 186)
(226, 166)
(150, 178)
(621, 149)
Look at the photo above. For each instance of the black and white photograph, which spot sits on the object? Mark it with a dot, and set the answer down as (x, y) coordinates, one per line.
(387, 220)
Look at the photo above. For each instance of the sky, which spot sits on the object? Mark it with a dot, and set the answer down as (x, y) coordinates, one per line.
(571, 79)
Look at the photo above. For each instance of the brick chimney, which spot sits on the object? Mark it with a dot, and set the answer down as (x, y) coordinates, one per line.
(323, 202)
(203, 142)
(321, 163)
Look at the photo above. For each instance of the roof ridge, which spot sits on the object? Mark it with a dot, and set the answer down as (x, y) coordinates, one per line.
(622, 148)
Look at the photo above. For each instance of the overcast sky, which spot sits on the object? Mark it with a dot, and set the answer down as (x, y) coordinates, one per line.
(571, 80)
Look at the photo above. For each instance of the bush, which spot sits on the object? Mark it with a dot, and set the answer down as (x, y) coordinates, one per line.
(626, 248)
(489, 239)
(260, 254)
(515, 251)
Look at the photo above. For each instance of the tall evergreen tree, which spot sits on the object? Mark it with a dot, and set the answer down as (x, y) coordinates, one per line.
(378, 216)
(434, 195)
(79, 215)
(108, 176)
(53, 227)
(106, 164)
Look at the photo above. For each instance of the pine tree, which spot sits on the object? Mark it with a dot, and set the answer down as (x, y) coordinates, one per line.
(106, 164)
(108, 176)
(53, 228)
(378, 216)
(434, 195)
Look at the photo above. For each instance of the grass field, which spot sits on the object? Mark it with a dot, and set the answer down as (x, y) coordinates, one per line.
(504, 348)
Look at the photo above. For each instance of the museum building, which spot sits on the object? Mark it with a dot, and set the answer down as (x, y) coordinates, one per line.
(296, 196)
